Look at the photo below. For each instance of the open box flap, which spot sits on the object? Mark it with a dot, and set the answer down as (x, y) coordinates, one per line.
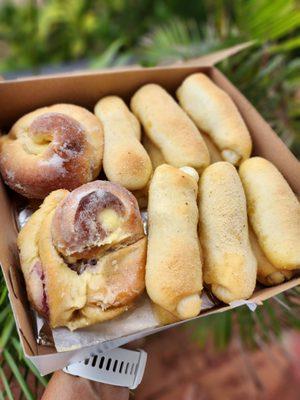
(212, 59)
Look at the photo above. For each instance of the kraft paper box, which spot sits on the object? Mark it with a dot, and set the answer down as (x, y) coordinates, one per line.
(18, 97)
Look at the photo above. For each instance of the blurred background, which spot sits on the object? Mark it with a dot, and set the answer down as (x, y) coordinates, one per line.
(238, 354)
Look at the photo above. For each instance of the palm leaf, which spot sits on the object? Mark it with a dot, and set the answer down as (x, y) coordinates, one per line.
(19, 377)
(178, 40)
(6, 384)
(16, 365)
(108, 57)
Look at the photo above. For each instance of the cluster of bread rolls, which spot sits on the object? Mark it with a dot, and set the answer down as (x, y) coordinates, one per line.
(215, 216)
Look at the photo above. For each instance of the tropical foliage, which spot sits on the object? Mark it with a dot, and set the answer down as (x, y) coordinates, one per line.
(116, 32)
(14, 367)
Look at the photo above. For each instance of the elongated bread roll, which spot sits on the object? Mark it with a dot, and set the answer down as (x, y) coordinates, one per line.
(154, 153)
(169, 128)
(267, 274)
(214, 112)
(229, 264)
(214, 152)
(173, 269)
(125, 160)
(274, 212)
(157, 157)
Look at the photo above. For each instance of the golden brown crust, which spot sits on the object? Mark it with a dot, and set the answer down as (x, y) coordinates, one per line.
(78, 227)
(59, 146)
(214, 112)
(214, 152)
(267, 274)
(155, 154)
(274, 212)
(173, 269)
(125, 160)
(169, 128)
(229, 264)
(91, 271)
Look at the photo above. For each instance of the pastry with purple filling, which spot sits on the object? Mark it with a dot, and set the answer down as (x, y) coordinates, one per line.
(83, 255)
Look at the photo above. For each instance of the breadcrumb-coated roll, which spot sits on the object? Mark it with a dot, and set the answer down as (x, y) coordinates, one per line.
(229, 264)
(214, 112)
(267, 274)
(125, 161)
(274, 212)
(174, 268)
(169, 128)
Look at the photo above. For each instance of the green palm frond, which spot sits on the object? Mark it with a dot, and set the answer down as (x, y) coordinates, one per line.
(271, 83)
(14, 367)
(111, 57)
(267, 20)
(179, 40)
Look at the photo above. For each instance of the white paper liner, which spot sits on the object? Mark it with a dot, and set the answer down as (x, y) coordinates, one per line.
(141, 317)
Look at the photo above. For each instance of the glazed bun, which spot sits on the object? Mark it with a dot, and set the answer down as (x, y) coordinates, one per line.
(83, 255)
(54, 147)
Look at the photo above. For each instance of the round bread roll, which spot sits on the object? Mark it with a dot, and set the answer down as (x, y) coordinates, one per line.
(83, 255)
(214, 112)
(229, 264)
(125, 161)
(169, 128)
(174, 268)
(274, 212)
(53, 147)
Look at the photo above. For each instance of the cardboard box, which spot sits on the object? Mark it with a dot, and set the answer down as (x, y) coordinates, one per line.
(19, 97)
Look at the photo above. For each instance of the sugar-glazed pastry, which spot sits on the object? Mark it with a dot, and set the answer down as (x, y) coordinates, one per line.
(229, 264)
(56, 147)
(169, 128)
(83, 255)
(214, 112)
(274, 212)
(125, 161)
(267, 274)
(174, 269)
